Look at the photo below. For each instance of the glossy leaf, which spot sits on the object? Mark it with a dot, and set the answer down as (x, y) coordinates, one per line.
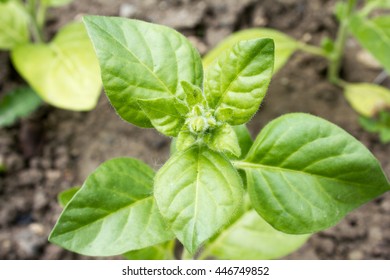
(285, 46)
(114, 212)
(65, 196)
(65, 73)
(163, 114)
(193, 93)
(17, 104)
(197, 192)
(367, 99)
(252, 238)
(305, 174)
(162, 251)
(14, 25)
(141, 60)
(372, 38)
(239, 78)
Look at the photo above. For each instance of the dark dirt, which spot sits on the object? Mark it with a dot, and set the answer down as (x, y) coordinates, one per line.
(55, 149)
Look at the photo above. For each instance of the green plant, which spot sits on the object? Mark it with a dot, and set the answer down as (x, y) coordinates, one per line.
(221, 191)
(372, 32)
(64, 72)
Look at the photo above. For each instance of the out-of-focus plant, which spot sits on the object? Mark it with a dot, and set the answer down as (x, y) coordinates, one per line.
(373, 34)
(63, 72)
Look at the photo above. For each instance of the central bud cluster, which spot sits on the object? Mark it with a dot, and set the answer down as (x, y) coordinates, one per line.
(200, 119)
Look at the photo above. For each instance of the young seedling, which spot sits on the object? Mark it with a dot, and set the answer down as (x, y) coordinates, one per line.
(220, 194)
(370, 100)
(64, 72)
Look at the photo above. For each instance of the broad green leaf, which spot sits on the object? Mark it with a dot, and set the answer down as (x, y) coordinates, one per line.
(17, 104)
(14, 25)
(239, 78)
(162, 251)
(252, 238)
(285, 46)
(304, 174)
(379, 3)
(55, 3)
(141, 60)
(65, 196)
(65, 73)
(197, 192)
(224, 139)
(114, 212)
(367, 99)
(372, 38)
(383, 23)
(163, 114)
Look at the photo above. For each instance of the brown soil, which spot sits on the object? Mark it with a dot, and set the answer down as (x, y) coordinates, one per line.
(55, 149)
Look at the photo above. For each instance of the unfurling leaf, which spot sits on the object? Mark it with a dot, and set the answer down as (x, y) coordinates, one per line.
(239, 78)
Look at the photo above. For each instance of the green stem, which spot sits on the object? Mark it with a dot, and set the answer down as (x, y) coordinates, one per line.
(37, 19)
(185, 255)
(312, 49)
(335, 57)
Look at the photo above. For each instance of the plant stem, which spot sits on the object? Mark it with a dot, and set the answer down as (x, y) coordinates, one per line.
(312, 50)
(185, 255)
(37, 19)
(335, 57)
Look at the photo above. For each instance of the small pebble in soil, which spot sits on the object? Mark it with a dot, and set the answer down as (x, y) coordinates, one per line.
(355, 255)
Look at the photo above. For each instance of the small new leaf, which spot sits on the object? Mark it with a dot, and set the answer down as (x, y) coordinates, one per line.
(197, 192)
(193, 93)
(224, 139)
(163, 114)
(239, 78)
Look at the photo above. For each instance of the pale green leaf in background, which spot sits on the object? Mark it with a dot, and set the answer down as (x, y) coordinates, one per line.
(140, 60)
(14, 25)
(285, 46)
(163, 251)
(239, 78)
(65, 73)
(383, 23)
(305, 174)
(197, 192)
(55, 3)
(367, 99)
(373, 38)
(114, 212)
(16, 104)
(251, 238)
(244, 138)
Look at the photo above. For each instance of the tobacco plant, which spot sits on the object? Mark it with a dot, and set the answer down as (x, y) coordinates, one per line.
(371, 30)
(63, 72)
(220, 194)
